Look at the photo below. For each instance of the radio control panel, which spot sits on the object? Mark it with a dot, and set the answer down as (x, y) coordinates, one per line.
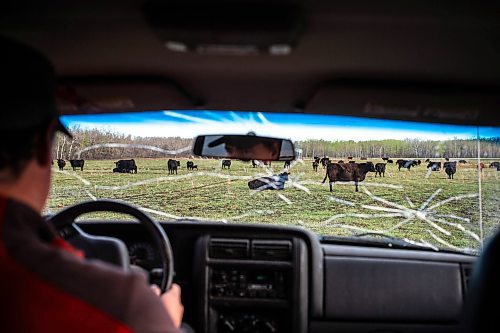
(253, 284)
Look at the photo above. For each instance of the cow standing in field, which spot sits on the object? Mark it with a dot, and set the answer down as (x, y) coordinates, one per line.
(325, 161)
(226, 164)
(495, 165)
(390, 161)
(172, 166)
(61, 164)
(125, 166)
(406, 164)
(419, 162)
(385, 158)
(348, 172)
(276, 182)
(287, 165)
(363, 158)
(380, 169)
(190, 165)
(450, 168)
(315, 165)
(77, 164)
(462, 162)
(481, 166)
(434, 166)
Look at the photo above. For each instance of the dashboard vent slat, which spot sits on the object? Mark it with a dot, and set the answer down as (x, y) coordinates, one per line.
(226, 248)
(466, 276)
(280, 250)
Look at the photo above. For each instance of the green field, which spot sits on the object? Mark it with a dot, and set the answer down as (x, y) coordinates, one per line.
(223, 195)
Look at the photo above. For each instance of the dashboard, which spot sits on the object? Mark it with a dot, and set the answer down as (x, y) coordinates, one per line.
(260, 278)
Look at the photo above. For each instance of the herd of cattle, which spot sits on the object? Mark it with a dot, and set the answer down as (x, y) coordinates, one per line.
(356, 172)
(335, 171)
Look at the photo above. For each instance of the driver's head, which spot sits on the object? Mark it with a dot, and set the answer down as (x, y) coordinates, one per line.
(28, 114)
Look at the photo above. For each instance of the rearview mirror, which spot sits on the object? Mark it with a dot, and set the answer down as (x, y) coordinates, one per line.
(244, 147)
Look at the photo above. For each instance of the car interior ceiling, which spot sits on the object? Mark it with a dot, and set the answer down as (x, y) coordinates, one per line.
(342, 54)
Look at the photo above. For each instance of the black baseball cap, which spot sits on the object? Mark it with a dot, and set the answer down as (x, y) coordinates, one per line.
(27, 88)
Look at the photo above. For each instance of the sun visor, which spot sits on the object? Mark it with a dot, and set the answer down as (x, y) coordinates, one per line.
(411, 102)
(109, 96)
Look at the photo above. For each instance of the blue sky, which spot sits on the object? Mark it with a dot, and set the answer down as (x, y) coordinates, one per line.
(189, 124)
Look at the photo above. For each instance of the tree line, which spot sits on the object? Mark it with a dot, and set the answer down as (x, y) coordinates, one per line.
(66, 148)
(410, 148)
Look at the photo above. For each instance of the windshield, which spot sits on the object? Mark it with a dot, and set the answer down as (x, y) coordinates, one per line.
(429, 184)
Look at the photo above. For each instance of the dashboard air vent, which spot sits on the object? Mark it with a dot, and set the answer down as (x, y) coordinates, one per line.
(272, 250)
(225, 248)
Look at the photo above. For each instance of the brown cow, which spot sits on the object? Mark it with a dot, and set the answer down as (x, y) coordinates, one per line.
(348, 172)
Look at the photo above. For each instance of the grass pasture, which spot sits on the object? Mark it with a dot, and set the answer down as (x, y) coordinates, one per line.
(422, 207)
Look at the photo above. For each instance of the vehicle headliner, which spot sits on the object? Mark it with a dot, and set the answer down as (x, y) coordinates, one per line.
(450, 42)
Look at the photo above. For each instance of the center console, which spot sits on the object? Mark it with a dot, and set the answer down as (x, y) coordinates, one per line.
(252, 284)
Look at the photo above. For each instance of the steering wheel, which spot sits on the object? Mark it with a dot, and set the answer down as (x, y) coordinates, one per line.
(109, 249)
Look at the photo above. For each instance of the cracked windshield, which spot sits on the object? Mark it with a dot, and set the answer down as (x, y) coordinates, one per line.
(431, 185)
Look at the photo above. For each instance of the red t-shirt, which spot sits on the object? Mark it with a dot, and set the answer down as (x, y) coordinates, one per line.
(47, 286)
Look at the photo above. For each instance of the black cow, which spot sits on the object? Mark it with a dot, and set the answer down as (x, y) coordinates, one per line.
(349, 157)
(324, 161)
(276, 182)
(390, 161)
(125, 166)
(380, 169)
(226, 164)
(434, 166)
(348, 172)
(407, 164)
(255, 163)
(363, 158)
(385, 158)
(495, 165)
(315, 165)
(450, 168)
(419, 162)
(287, 165)
(462, 161)
(427, 161)
(172, 166)
(77, 164)
(190, 165)
(61, 164)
